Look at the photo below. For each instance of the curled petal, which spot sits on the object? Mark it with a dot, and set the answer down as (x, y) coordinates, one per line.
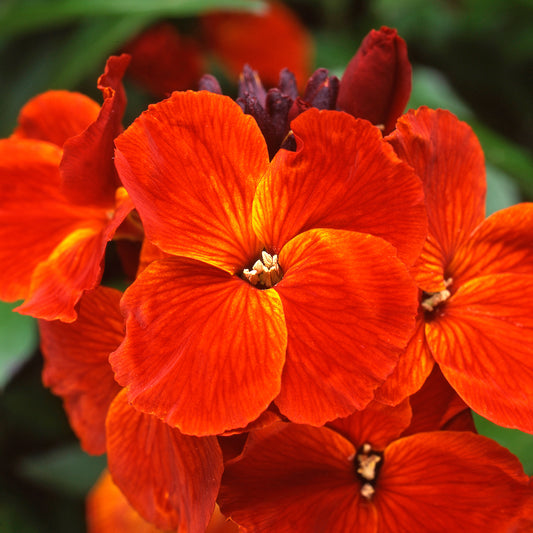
(191, 164)
(447, 157)
(376, 84)
(203, 350)
(55, 116)
(349, 306)
(171, 480)
(76, 365)
(482, 341)
(343, 176)
(74, 266)
(445, 480)
(87, 168)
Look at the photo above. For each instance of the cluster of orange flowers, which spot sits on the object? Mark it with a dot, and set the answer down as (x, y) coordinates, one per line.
(317, 305)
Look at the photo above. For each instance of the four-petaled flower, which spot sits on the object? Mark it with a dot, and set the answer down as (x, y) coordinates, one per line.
(206, 349)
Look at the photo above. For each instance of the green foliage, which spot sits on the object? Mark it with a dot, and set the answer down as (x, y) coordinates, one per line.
(19, 341)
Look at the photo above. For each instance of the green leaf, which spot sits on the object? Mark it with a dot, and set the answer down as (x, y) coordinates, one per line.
(518, 443)
(90, 46)
(18, 341)
(502, 192)
(68, 470)
(22, 16)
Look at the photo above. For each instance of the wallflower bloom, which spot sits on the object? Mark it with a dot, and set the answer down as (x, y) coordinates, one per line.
(476, 316)
(360, 474)
(170, 479)
(61, 201)
(206, 349)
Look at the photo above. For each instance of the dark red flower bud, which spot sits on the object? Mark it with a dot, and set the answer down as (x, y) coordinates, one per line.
(377, 82)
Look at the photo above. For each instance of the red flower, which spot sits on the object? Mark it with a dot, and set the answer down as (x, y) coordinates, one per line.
(476, 275)
(205, 349)
(170, 479)
(60, 202)
(359, 475)
(270, 40)
(377, 82)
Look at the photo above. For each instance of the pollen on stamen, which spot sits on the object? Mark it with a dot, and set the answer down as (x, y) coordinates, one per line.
(265, 273)
(432, 300)
(367, 463)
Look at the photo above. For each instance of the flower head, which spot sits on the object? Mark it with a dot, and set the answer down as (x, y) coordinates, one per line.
(211, 341)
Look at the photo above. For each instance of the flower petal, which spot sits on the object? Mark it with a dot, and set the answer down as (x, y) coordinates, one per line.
(437, 406)
(87, 168)
(191, 164)
(296, 478)
(377, 424)
(34, 216)
(414, 366)
(163, 61)
(108, 511)
(203, 350)
(74, 266)
(376, 84)
(447, 157)
(55, 116)
(482, 341)
(349, 306)
(449, 481)
(171, 479)
(343, 176)
(76, 365)
(269, 41)
(500, 244)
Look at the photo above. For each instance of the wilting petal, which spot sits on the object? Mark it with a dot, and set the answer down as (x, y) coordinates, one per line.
(447, 157)
(501, 244)
(76, 365)
(377, 424)
(482, 341)
(55, 116)
(74, 266)
(87, 168)
(445, 480)
(414, 365)
(171, 479)
(437, 406)
(163, 61)
(268, 41)
(203, 350)
(376, 84)
(191, 164)
(34, 216)
(343, 176)
(296, 478)
(349, 306)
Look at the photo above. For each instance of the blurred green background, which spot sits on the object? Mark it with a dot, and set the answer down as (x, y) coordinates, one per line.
(474, 57)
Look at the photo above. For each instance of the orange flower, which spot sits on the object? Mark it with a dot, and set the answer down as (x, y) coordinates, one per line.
(170, 479)
(476, 275)
(60, 202)
(359, 474)
(206, 349)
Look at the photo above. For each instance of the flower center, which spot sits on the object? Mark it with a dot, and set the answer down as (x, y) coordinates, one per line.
(265, 273)
(367, 463)
(430, 300)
